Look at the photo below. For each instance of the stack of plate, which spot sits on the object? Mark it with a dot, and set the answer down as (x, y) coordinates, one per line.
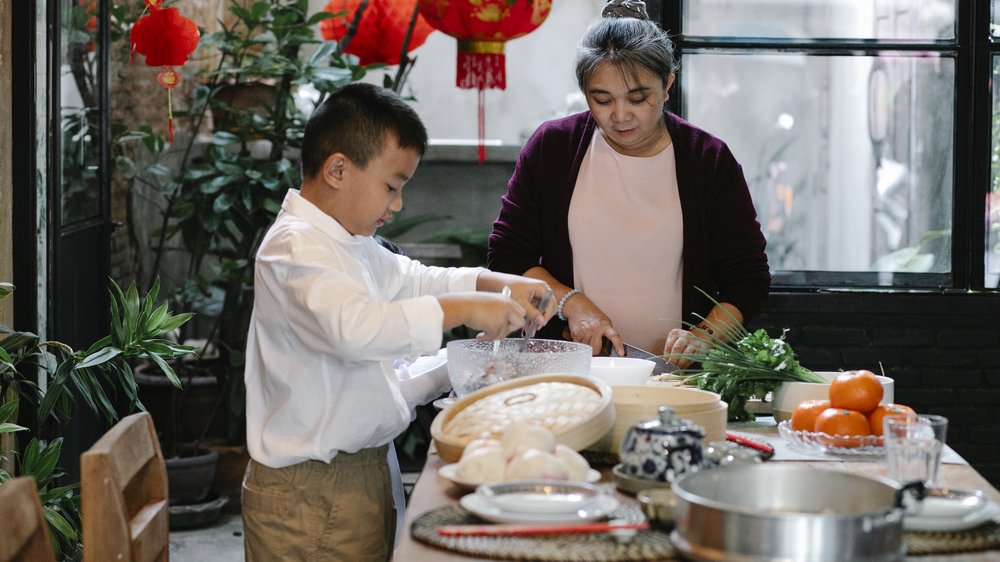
(634, 404)
(538, 501)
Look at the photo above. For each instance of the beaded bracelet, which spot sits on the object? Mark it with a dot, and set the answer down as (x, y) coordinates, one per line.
(706, 328)
(562, 301)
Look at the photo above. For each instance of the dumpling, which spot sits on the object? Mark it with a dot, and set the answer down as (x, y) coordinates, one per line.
(484, 465)
(481, 443)
(520, 436)
(577, 465)
(534, 464)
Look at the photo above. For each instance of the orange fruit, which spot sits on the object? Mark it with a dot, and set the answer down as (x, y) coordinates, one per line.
(856, 390)
(878, 414)
(843, 428)
(804, 415)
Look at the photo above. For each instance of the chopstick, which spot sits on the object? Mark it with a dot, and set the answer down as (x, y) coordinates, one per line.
(765, 448)
(515, 529)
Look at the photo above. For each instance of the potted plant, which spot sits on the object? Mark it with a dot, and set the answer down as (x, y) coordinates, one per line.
(91, 376)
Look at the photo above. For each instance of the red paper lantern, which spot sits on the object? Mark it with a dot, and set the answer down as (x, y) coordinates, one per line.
(167, 39)
(381, 31)
(482, 27)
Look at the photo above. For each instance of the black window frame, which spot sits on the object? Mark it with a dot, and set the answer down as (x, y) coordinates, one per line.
(973, 51)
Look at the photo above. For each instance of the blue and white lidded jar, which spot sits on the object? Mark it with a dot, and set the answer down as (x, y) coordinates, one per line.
(663, 449)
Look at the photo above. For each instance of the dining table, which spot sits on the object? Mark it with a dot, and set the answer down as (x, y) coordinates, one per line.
(432, 492)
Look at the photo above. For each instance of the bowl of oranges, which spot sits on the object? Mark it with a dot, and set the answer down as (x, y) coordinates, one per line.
(790, 394)
(848, 420)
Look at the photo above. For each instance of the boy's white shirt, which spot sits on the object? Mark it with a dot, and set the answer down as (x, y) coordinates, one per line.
(331, 313)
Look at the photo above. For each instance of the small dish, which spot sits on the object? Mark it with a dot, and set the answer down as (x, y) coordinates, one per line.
(659, 505)
(633, 484)
(943, 509)
(816, 443)
(482, 507)
(539, 496)
(449, 472)
(446, 402)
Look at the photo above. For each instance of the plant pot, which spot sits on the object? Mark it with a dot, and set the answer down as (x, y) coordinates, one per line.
(199, 514)
(182, 415)
(190, 476)
(229, 476)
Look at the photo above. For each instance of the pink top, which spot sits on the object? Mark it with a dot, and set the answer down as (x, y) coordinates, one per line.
(626, 231)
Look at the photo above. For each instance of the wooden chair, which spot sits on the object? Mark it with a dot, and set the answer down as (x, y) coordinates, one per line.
(24, 534)
(123, 494)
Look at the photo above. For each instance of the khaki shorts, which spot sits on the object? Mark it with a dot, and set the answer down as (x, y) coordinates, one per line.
(318, 511)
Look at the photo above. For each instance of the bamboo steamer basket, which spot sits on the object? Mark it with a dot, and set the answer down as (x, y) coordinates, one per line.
(634, 404)
(576, 431)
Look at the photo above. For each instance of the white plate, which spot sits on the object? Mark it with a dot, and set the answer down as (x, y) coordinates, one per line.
(540, 496)
(951, 510)
(449, 472)
(481, 507)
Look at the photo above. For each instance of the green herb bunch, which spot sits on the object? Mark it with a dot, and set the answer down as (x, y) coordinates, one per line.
(750, 366)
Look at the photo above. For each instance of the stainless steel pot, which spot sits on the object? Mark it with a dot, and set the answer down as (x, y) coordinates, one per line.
(750, 513)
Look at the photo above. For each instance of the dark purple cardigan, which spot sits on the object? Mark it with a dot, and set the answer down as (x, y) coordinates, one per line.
(723, 245)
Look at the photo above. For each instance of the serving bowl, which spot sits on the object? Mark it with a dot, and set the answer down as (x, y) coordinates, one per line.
(789, 394)
(472, 365)
(621, 371)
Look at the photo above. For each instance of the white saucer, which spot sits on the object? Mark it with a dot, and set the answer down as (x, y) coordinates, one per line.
(483, 508)
(540, 496)
(449, 473)
(443, 403)
(951, 510)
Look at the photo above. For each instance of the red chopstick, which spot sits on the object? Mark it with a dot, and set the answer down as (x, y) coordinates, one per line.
(768, 450)
(535, 529)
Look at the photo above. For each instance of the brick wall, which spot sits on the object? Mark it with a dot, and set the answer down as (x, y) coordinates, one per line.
(943, 351)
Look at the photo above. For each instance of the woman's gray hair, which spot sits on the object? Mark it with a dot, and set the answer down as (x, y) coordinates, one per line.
(626, 38)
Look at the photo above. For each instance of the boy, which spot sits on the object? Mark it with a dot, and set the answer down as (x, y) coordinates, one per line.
(332, 309)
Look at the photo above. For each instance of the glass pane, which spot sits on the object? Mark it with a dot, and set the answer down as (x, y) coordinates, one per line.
(849, 159)
(78, 112)
(993, 201)
(995, 26)
(822, 19)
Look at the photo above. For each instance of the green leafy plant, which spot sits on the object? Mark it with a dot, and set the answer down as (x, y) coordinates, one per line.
(753, 365)
(92, 376)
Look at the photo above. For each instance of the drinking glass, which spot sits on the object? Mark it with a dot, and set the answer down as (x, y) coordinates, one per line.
(913, 446)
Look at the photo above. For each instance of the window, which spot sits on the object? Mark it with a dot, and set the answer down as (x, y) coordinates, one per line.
(851, 121)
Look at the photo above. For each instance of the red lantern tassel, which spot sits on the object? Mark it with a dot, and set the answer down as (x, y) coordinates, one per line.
(481, 66)
(170, 116)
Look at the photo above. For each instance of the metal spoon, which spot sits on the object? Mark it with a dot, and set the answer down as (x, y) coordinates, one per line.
(491, 367)
(532, 327)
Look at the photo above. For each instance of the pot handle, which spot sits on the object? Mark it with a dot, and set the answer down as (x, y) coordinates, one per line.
(909, 496)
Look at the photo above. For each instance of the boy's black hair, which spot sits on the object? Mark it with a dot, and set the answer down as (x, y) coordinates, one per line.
(358, 120)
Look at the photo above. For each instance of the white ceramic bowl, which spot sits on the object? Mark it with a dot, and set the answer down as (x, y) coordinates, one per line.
(790, 394)
(621, 371)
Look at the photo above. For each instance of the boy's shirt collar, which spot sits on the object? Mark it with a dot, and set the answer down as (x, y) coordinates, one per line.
(301, 207)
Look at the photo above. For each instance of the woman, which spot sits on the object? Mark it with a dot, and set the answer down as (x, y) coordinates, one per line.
(629, 212)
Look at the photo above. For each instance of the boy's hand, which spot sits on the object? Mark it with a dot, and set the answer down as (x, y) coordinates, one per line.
(493, 315)
(526, 291)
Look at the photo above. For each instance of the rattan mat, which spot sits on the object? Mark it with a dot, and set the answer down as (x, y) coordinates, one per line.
(983, 537)
(647, 545)
(595, 547)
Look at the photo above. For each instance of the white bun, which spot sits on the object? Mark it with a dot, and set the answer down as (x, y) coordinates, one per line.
(534, 464)
(520, 436)
(484, 465)
(577, 465)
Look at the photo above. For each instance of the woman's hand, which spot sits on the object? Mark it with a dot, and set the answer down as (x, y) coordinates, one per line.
(588, 324)
(680, 343)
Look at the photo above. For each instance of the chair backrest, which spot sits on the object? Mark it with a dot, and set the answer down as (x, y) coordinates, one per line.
(24, 534)
(123, 494)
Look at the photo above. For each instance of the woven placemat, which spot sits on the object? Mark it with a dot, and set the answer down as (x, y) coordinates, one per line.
(983, 537)
(595, 547)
